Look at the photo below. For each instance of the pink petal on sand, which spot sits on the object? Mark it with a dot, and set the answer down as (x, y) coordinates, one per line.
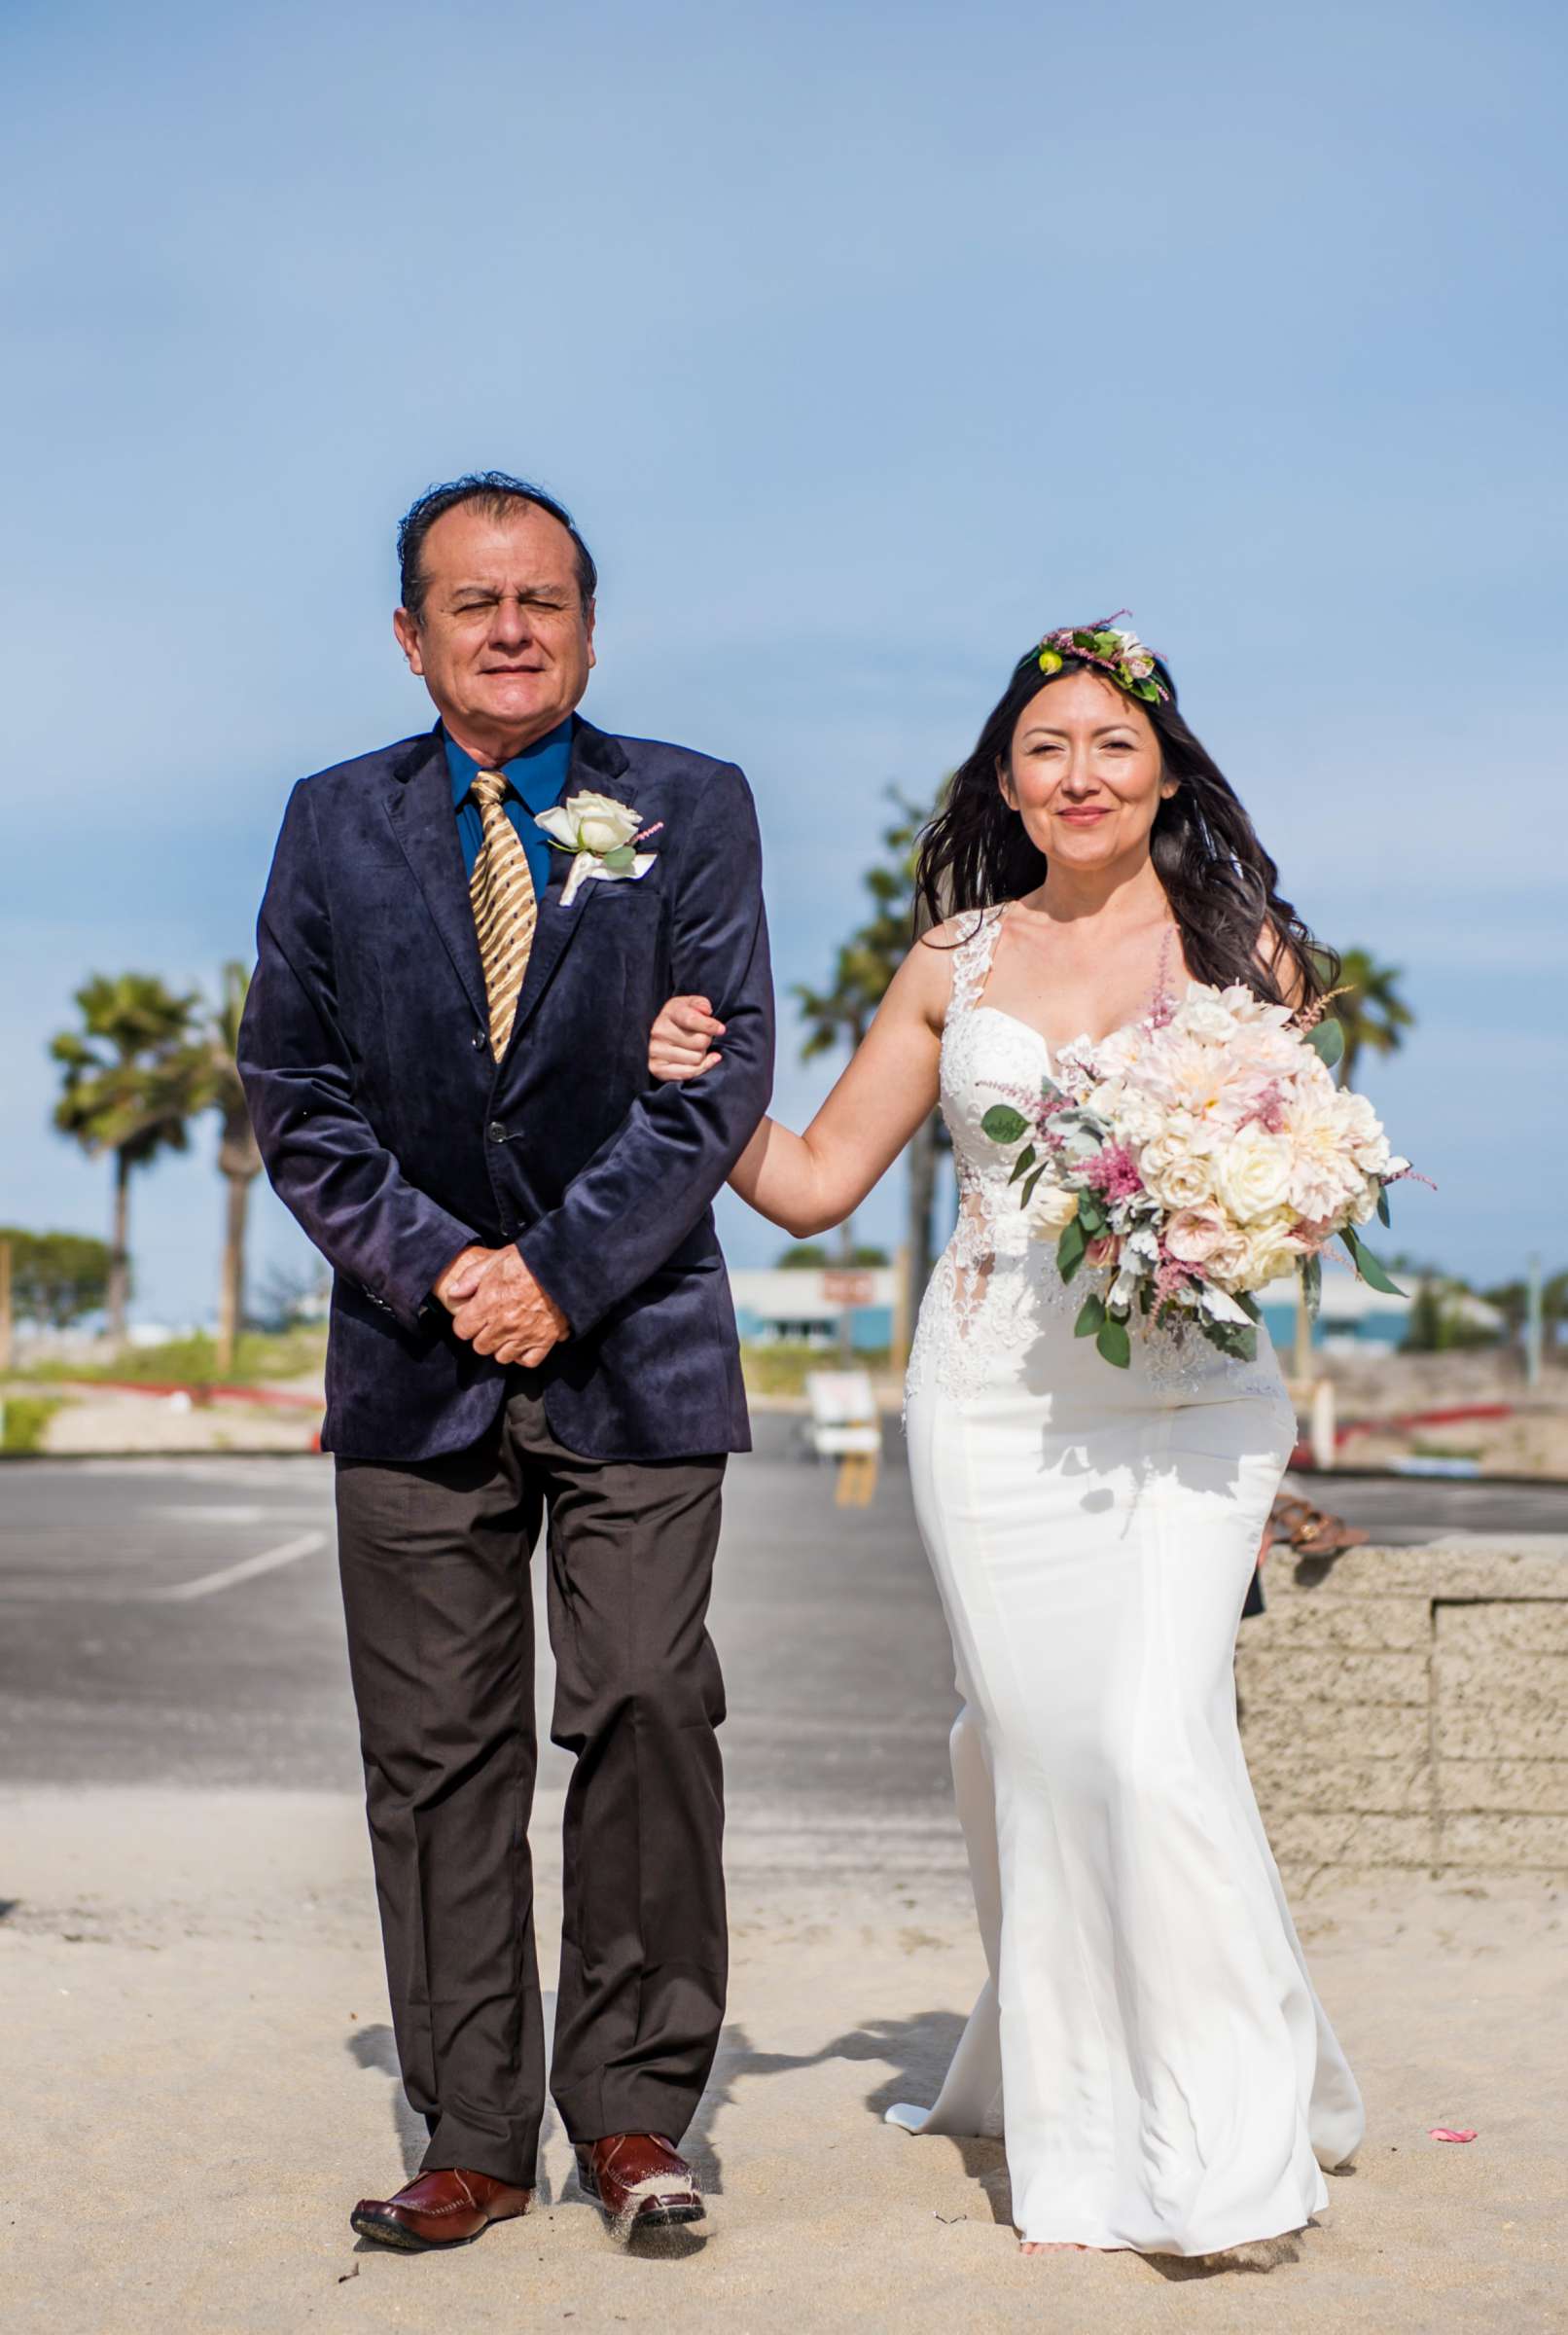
(1446, 2132)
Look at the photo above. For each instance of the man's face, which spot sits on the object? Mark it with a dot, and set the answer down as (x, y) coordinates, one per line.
(504, 643)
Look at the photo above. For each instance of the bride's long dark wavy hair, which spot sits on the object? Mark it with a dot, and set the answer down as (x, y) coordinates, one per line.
(1222, 885)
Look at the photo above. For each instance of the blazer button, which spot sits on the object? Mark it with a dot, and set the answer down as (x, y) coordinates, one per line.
(479, 1040)
(496, 1132)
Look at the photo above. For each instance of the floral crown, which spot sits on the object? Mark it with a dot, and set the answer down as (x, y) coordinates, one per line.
(1121, 656)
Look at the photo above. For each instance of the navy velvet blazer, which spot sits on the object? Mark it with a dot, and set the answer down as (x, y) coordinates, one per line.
(394, 1137)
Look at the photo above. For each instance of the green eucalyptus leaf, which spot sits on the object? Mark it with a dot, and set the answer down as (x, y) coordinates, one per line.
(1070, 1250)
(1326, 1040)
(1003, 1124)
(1312, 1285)
(1383, 1216)
(1090, 1315)
(1112, 1342)
(620, 860)
(1249, 1306)
(1022, 1163)
(1371, 1271)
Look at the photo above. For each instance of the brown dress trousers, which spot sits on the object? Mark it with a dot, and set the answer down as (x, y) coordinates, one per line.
(435, 1559)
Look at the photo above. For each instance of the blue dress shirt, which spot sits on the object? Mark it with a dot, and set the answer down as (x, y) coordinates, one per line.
(538, 780)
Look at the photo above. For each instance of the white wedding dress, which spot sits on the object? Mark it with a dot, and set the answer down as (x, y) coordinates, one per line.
(1148, 2043)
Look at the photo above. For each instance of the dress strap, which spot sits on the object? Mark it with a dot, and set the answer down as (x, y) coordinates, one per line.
(972, 961)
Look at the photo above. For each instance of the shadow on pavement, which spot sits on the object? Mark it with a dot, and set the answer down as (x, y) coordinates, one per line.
(375, 2048)
(918, 2048)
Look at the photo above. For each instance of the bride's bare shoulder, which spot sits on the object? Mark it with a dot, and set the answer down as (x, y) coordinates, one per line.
(932, 964)
(956, 930)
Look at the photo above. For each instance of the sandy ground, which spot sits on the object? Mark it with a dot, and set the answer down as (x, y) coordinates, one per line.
(200, 2082)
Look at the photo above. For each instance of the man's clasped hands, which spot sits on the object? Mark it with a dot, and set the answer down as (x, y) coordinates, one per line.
(499, 1307)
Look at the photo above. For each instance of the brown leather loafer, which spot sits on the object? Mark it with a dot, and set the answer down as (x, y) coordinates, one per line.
(638, 2183)
(437, 2209)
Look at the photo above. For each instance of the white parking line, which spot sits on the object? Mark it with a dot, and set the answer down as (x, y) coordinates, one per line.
(206, 1585)
(187, 1511)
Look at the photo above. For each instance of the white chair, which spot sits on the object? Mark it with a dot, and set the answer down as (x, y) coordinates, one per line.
(845, 1425)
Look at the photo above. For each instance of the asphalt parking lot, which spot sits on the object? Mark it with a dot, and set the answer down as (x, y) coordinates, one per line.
(178, 1622)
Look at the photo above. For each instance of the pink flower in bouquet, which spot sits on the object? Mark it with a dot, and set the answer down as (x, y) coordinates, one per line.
(1171, 1277)
(1193, 1234)
(1113, 1173)
(1268, 1110)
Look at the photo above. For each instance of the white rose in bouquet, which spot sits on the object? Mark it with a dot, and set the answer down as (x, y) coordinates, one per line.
(1052, 1207)
(1206, 1016)
(1272, 1250)
(1137, 1119)
(1253, 1174)
(1185, 1181)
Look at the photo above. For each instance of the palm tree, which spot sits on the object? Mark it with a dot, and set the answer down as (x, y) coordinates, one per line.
(841, 1014)
(1369, 1009)
(126, 1091)
(214, 1083)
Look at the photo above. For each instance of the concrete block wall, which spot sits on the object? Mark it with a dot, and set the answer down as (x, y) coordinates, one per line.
(1409, 1708)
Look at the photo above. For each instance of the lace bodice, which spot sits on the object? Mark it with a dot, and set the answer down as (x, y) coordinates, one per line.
(986, 1057)
(996, 1294)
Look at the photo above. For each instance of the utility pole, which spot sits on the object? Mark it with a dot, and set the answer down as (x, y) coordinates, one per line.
(1533, 1325)
(846, 1318)
(5, 1309)
(903, 1330)
(1303, 1336)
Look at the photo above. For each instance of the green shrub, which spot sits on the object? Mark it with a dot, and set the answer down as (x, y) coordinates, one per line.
(26, 1421)
(781, 1367)
(194, 1361)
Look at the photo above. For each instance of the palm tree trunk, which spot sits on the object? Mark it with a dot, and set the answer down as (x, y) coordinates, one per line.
(231, 1290)
(847, 1319)
(922, 1194)
(119, 1289)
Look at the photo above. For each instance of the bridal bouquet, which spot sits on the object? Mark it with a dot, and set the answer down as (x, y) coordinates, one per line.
(1193, 1158)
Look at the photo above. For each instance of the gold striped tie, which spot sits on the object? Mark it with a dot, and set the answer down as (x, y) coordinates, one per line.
(504, 908)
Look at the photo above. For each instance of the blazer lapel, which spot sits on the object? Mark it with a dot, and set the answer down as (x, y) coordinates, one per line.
(419, 808)
(599, 766)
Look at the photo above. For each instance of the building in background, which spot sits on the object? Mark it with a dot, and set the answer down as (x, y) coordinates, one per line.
(801, 1306)
(1353, 1315)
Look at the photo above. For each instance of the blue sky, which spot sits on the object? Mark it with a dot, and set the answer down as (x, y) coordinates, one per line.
(867, 345)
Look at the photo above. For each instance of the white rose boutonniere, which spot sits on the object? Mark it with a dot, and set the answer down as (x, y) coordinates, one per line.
(601, 835)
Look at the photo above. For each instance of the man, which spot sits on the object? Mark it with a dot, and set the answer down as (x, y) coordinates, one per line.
(445, 1052)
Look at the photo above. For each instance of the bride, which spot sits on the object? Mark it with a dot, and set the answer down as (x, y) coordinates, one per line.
(1147, 2041)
